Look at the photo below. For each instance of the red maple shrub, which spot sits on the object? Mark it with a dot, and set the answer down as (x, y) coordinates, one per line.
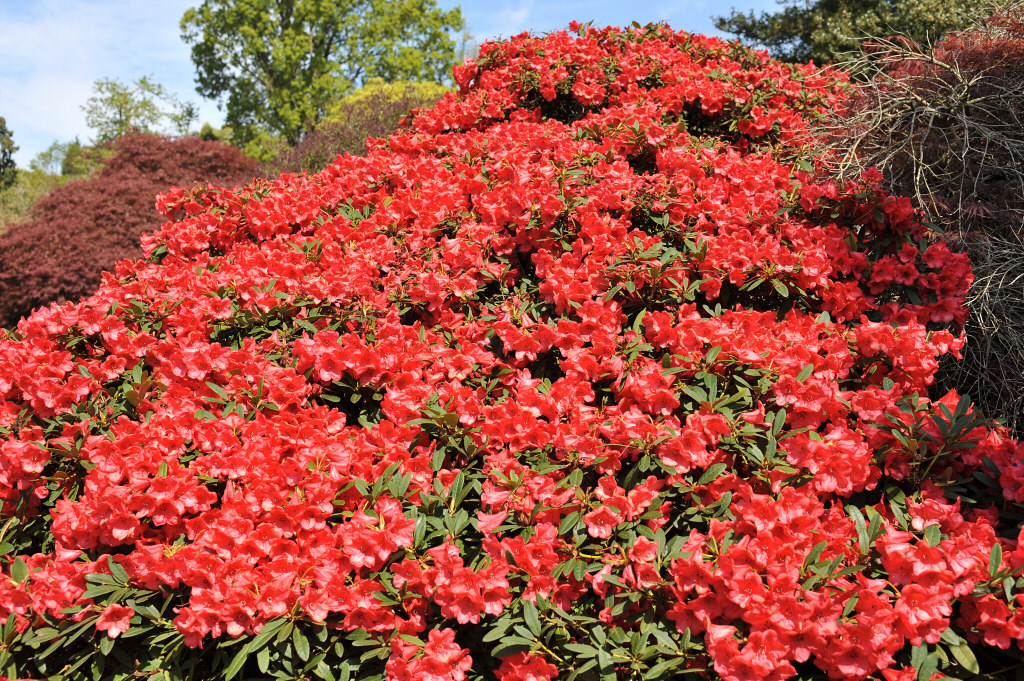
(585, 374)
(83, 228)
(945, 124)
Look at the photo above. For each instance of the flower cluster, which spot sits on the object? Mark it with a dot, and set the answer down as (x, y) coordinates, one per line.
(583, 373)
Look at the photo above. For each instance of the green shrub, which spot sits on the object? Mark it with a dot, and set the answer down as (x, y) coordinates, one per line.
(28, 187)
(374, 110)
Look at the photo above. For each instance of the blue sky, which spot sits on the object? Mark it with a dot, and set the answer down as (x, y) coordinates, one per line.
(51, 51)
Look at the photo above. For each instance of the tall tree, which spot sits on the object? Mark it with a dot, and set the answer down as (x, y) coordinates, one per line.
(828, 30)
(116, 109)
(8, 169)
(279, 63)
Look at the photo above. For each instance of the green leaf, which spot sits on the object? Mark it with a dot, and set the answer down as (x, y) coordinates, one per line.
(875, 531)
(933, 534)
(590, 664)
(263, 659)
(569, 522)
(261, 637)
(237, 663)
(950, 637)
(670, 665)
(805, 373)
(862, 529)
(815, 553)
(995, 559)
(638, 323)
(218, 390)
(19, 570)
(607, 665)
(712, 472)
(928, 667)
(531, 617)
(917, 656)
(965, 657)
(301, 644)
(98, 590)
(512, 645)
(118, 572)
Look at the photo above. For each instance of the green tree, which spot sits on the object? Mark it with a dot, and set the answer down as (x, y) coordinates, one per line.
(829, 30)
(8, 169)
(209, 133)
(280, 63)
(143, 106)
(69, 159)
(49, 160)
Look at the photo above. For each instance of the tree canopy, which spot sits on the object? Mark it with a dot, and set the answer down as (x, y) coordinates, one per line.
(116, 109)
(827, 30)
(278, 63)
(8, 169)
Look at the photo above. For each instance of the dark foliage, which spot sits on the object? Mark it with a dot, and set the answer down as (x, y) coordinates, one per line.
(8, 170)
(83, 228)
(946, 126)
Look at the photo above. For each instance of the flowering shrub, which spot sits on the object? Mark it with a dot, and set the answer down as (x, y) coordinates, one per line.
(72, 234)
(581, 375)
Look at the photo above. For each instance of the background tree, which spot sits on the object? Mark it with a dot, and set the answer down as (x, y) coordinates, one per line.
(208, 132)
(116, 109)
(467, 47)
(56, 165)
(50, 159)
(373, 110)
(829, 30)
(8, 169)
(69, 159)
(279, 63)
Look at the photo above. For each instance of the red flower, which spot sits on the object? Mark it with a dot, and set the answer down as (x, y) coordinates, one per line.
(115, 620)
(442, 660)
(524, 666)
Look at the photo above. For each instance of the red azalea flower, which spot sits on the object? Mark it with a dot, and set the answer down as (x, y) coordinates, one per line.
(115, 620)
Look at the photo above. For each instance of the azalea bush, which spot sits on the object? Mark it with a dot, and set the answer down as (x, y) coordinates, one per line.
(58, 248)
(583, 374)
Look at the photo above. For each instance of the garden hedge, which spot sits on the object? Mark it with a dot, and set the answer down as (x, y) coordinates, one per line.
(584, 374)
